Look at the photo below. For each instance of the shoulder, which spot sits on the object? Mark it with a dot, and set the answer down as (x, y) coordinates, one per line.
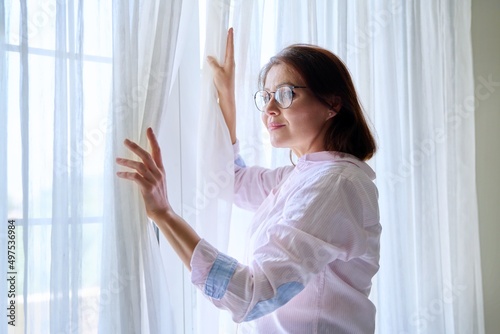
(336, 174)
(328, 187)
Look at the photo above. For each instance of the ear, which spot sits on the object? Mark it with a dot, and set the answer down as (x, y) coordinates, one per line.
(335, 105)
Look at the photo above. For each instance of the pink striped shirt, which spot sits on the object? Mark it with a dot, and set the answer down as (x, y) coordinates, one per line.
(314, 248)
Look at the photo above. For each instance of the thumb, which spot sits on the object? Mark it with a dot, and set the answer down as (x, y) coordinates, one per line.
(213, 63)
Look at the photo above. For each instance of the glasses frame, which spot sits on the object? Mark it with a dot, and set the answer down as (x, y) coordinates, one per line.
(279, 103)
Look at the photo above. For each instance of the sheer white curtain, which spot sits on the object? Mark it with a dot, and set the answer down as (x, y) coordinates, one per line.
(215, 176)
(411, 63)
(146, 43)
(423, 107)
(80, 77)
(41, 47)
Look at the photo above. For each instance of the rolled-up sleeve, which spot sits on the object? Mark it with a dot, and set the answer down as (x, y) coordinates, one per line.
(211, 270)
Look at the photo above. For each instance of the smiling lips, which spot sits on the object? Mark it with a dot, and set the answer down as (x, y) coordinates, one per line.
(274, 126)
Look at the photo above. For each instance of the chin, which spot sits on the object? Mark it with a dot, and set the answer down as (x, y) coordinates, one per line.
(278, 144)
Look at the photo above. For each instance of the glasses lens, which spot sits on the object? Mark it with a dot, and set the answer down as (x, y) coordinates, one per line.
(284, 96)
(261, 99)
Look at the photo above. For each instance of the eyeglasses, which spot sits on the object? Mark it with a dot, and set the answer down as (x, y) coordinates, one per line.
(283, 97)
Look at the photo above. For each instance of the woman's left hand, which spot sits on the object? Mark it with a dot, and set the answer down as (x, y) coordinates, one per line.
(149, 175)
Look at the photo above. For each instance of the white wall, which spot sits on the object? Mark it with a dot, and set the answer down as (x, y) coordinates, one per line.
(486, 48)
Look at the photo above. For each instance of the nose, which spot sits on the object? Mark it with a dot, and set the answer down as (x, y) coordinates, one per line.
(272, 108)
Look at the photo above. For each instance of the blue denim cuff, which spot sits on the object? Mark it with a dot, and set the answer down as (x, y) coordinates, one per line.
(240, 162)
(219, 276)
(283, 294)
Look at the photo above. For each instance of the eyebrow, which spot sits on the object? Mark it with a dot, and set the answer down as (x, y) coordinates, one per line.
(283, 84)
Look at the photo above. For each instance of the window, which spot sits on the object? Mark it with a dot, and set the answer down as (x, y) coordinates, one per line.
(42, 175)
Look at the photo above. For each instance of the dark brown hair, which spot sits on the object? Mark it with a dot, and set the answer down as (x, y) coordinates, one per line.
(327, 77)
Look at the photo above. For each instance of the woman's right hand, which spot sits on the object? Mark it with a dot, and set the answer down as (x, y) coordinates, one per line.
(224, 80)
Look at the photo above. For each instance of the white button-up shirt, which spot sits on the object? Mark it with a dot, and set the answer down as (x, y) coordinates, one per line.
(314, 248)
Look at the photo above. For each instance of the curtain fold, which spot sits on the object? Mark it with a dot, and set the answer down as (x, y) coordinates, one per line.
(67, 178)
(25, 142)
(248, 29)
(145, 37)
(214, 176)
(87, 259)
(427, 177)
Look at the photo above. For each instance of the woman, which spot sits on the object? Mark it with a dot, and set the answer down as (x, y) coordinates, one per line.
(315, 235)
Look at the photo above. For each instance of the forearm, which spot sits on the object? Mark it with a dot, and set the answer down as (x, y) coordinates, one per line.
(181, 236)
(227, 104)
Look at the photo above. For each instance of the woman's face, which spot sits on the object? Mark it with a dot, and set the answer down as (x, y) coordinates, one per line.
(303, 125)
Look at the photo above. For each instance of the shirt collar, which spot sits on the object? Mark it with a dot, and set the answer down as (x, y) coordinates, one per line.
(333, 156)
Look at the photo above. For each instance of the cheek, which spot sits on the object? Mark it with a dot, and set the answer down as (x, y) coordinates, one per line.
(263, 117)
(299, 119)
(306, 122)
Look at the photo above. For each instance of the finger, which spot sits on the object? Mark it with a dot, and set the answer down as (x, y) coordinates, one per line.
(214, 64)
(136, 177)
(229, 58)
(141, 153)
(155, 148)
(138, 166)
